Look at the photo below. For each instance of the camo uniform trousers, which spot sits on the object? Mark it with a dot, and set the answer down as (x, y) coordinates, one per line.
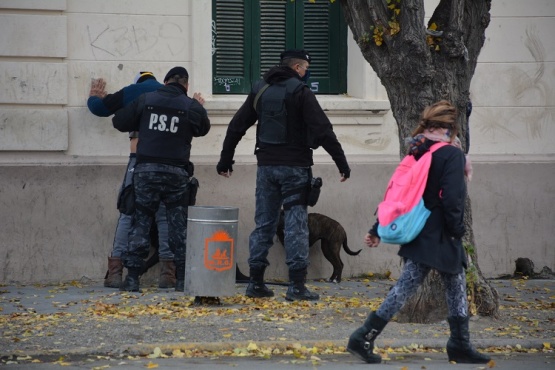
(125, 221)
(155, 183)
(273, 183)
(412, 275)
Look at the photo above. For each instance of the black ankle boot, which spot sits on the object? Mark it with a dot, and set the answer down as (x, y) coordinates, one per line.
(361, 342)
(256, 287)
(180, 277)
(180, 285)
(459, 348)
(131, 282)
(297, 290)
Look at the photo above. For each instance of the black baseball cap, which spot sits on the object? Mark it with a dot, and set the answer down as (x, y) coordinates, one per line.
(182, 72)
(296, 54)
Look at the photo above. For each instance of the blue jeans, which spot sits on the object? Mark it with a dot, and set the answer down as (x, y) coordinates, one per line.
(276, 185)
(121, 238)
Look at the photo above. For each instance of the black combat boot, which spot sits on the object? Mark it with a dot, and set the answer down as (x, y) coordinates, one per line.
(361, 342)
(256, 287)
(180, 277)
(459, 348)
(297, 290)
(131, 282)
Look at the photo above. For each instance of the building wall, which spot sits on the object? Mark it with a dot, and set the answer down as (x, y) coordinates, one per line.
(61, 167)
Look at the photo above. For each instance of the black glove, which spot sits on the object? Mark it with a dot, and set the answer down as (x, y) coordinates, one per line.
(346, 173)
(225, 166)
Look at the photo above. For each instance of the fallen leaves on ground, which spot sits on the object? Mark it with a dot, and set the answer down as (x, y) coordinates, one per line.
(525, 319)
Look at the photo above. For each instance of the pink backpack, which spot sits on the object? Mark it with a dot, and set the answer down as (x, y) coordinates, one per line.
(402, 214)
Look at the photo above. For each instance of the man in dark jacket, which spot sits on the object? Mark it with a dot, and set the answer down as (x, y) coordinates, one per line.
(284, 145)
(167, 121)
(102, 104)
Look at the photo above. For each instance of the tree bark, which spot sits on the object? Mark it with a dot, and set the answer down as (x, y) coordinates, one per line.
(417, 68)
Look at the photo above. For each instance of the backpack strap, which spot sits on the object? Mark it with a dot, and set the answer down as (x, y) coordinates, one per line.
(292, 85)
(258, 95)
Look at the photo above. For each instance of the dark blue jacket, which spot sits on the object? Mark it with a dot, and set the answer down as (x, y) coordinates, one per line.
(104, 107)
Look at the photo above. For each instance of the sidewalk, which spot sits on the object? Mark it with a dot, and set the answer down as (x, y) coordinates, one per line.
(86, 318)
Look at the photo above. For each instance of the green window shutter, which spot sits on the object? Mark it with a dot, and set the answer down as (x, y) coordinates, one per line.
(231, 47)
(273, 34)
(324, 35)
(250, 35)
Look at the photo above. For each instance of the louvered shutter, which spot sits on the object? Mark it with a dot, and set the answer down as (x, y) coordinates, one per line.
(323, 33)
(273, 32)
(231, 47)
(249, 35)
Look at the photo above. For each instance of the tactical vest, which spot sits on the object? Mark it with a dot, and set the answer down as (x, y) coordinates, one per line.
(164, 130)
(277, 125)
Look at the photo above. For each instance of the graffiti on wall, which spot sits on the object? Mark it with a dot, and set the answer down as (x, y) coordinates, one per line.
(130, 40)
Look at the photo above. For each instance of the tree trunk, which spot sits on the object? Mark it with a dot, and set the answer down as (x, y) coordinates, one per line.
(418, 67)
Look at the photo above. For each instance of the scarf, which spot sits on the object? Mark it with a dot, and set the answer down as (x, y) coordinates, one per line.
(421, 143)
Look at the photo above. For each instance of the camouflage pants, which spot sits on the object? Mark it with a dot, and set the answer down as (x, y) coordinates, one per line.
(153, 184)
(412, 276)
(125, 221)
(276, 185)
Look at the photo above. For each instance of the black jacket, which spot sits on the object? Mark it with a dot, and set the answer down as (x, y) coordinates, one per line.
(171, 96)
(306, 106)
(439, 243)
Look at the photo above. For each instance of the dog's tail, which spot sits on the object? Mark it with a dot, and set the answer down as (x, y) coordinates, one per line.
(346, 248)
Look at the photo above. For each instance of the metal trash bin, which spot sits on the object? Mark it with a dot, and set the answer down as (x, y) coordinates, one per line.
(210, 259)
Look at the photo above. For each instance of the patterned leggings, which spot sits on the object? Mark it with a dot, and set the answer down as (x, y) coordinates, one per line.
(412, 276)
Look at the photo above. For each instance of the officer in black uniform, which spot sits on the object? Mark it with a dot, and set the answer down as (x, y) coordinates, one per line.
(291, 124)
(167, 121)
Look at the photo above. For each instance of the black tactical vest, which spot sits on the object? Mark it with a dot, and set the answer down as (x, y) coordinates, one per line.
(165, 131)
(276, 123)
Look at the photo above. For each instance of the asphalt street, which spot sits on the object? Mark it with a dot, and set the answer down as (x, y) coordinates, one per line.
(336, 362)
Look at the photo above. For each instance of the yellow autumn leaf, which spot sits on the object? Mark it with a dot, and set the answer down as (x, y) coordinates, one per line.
(546, 345)
(151, 365)
(433, 26)
(156, 353)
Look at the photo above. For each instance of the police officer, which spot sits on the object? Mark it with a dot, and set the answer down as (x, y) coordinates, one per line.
(291, 124)
(102, 104)
(167, 121)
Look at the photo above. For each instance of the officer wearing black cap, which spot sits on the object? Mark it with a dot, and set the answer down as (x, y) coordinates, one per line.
(291, 124)
(167, 121)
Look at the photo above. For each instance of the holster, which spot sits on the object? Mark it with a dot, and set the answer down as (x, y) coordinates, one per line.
(313, 191)
(126, 200)
(192, 188)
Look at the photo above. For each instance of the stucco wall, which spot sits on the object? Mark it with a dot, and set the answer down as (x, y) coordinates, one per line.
(59, 221)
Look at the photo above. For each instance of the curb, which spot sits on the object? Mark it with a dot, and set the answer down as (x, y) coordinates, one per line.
(147, 349)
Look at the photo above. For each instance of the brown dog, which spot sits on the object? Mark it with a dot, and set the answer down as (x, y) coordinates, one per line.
(332, 237)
